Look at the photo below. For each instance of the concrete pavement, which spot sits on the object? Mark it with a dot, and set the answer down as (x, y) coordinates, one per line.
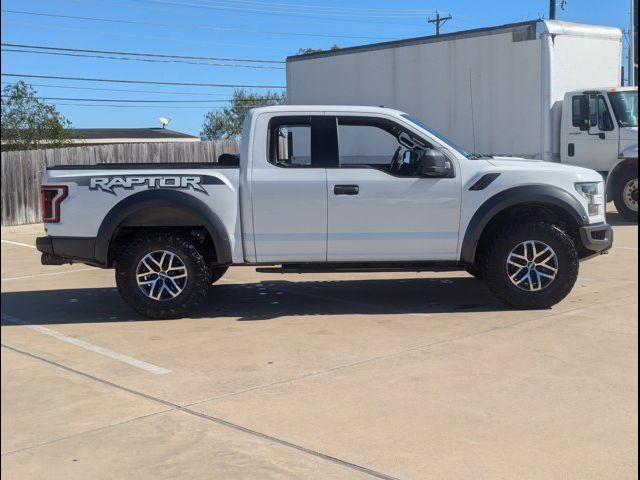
(318, 376)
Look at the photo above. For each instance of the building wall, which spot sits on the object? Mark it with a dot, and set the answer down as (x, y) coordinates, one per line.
(435, 82)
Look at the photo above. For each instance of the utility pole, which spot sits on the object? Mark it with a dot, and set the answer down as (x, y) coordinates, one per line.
(439, 20)
(633, 45)
(552, 8)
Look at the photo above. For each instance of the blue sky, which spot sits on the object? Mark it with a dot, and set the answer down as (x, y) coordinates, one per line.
(247, 29)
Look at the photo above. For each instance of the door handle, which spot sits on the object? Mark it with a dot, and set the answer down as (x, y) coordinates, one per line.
(346, 189)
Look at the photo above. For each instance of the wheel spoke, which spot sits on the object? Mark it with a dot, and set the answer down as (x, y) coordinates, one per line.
(516, 264)
(177, 288)
(161, 275)
(532, 265)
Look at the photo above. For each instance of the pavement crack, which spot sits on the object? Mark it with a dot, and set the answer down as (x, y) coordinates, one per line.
(86, 432)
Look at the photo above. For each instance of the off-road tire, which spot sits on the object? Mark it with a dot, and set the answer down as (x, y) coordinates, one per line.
(217, 273)
(627, 175)
(494, 265)
(195, 287)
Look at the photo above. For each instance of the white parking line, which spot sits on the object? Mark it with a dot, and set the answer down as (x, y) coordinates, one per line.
(18, 244)
(626, 248)
(47, 274)
(88, 346)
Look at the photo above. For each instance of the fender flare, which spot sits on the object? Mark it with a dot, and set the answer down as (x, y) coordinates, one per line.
(525, 194)
(161, 207)
(611, 175)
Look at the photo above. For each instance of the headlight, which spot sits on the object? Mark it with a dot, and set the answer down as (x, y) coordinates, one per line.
(595, 199)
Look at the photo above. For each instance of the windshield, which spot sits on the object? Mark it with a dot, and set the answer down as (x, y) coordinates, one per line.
(625, 107)
(440, 137)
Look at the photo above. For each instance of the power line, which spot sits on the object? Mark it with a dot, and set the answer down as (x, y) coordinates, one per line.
(123, 90)
(284, 13)
(292, 10)
(155, 8)
(420, 11)
(190, 27)
(148, 60)
(141, 54)
(119, 100)
(203, 107)
(135, 35)
(144, 82)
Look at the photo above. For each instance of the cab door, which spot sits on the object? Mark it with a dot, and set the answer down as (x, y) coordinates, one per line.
(597, 146)
(289, 191)
(379, 212)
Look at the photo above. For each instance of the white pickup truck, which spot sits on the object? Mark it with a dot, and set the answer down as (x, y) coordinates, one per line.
(327, 188)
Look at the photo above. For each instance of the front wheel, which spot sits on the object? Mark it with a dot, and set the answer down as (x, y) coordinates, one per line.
(625, 195)
(162, 276)
(531, 265)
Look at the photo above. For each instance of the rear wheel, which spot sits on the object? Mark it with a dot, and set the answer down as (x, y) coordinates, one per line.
(625, 194)
(162, 276)
(531, 265)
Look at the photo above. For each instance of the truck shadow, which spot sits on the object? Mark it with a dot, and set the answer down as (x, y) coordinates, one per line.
(616, 220)
(268, 300)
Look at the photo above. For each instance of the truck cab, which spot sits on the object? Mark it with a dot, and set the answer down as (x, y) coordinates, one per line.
(600, 131)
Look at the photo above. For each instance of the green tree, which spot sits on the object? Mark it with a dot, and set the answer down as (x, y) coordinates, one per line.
(306, 51)
(28, 123)
(227, 122)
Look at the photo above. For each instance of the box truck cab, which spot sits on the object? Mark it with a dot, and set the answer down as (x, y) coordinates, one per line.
(600, 131)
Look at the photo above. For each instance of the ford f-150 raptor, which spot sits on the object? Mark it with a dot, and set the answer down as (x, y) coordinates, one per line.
(327, 188)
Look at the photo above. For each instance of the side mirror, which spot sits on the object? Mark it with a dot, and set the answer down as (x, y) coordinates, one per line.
(585, 125)
(434, 163)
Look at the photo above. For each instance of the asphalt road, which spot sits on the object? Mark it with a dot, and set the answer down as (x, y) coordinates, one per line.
(318, 376)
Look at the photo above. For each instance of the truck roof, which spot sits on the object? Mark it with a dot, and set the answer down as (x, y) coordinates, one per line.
(326, 108)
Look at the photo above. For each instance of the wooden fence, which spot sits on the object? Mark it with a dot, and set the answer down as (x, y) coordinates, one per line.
(22, 170)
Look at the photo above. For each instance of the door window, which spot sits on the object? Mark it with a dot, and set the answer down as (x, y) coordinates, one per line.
(599, 115)
(576, 113)
(374, 143)
(605, 122)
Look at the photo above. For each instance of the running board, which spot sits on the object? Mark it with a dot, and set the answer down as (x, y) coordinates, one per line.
(363, 267)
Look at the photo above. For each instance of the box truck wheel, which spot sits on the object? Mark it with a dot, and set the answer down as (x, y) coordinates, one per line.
(531, 265)
(625, 193)
(162, 275)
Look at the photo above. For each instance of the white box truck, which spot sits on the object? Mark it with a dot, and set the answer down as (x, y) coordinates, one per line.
(546, 90)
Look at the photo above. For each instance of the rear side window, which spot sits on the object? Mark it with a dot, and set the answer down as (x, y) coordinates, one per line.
(303, 141)
(291, 145)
